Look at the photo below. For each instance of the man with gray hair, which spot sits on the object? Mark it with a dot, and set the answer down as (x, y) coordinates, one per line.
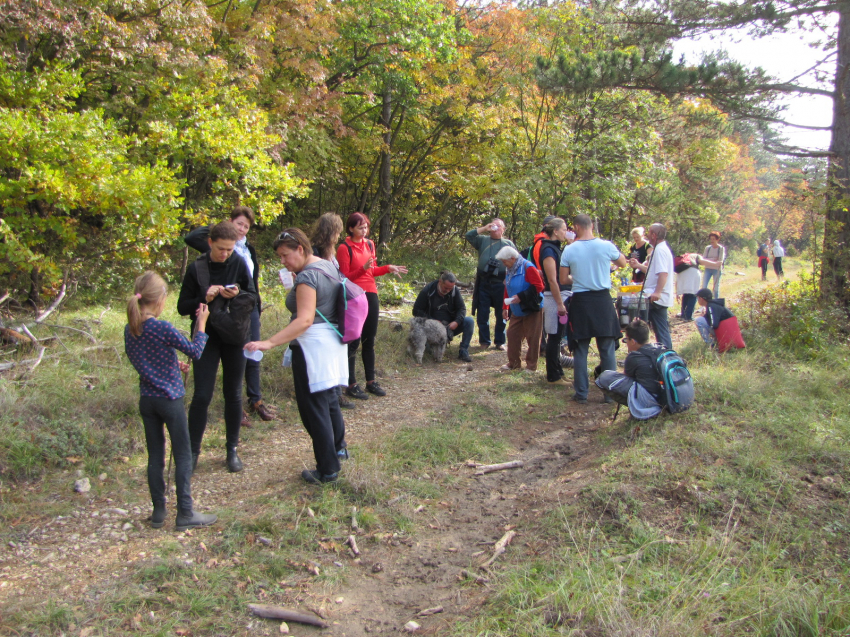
(659, 280)
(441, 300)
(586, 264)
(489, 280)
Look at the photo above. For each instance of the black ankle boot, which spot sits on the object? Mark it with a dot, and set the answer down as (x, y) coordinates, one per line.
(157, 518)
(191, 519)
(234, 464)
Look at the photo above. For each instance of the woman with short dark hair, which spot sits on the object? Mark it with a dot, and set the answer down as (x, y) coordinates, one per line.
(357, 261)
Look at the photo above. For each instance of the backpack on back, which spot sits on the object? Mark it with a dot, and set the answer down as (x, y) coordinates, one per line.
(352, 307)
(230, 318)
(675, 380)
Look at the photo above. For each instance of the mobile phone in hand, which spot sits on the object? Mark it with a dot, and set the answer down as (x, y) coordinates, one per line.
(232, 286)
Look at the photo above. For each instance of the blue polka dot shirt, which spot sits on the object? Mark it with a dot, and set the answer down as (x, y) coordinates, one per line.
(153, 356)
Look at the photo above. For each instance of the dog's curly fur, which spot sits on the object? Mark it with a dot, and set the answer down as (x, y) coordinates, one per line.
(426, 333)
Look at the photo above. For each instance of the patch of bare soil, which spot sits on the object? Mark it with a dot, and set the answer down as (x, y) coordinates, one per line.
(445, 564)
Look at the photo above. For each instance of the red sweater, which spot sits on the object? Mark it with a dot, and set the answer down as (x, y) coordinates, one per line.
(354, 266)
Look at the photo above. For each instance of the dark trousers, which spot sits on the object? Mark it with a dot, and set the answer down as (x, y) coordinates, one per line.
(252, 368)
(554, 370)
(155, 413)
(658, 320)
(366, 342)
(689, 302)
(491, 295)
(320, 414)
(205, 370)
(465, 327)
(607, 347)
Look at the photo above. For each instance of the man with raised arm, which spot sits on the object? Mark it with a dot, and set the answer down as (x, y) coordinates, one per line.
(586, 264)
(489, 280)
(659, 280)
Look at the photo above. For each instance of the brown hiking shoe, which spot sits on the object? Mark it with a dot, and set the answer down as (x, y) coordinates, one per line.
(246, 419)
(263, 411)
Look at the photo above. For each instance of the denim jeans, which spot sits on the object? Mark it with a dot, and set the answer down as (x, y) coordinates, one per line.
(491, 295)
(705, 330)
(706, 277)
(466, 327)
(658, 320)
(608, 360)
(689, 302)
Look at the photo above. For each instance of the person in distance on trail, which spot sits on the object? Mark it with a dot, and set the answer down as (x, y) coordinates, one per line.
(228, 274)
(357, 261)
(442, 301)
(586, 265)
(778, 255)
(318, 357)
(150, 345)
(324, 237)
(637, 387)
(242, 218)
(713, 252)
(523, 298)
(489, 280)
(659, 279)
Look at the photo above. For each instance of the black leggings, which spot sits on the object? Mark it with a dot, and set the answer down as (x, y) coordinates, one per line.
(367, 341)
(554, 370)
(205, 370)
(155, 413)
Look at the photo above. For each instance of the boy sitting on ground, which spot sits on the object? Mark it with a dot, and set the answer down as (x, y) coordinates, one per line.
(638, 387)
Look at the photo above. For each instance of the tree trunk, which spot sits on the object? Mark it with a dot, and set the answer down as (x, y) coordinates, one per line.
(386, 177)
(34, 297)
(836, 241)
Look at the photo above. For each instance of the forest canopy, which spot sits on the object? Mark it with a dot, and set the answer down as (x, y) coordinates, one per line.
(125, 124)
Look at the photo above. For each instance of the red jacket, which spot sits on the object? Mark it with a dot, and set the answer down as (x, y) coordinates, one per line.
(352, 264)
(532, 275)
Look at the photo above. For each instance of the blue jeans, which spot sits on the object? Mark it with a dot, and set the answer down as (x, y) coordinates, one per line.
(491, 295)
(608, 361)
(689, 302)
(706, 277)
(466, 327)
(658, 321)
(705, 330)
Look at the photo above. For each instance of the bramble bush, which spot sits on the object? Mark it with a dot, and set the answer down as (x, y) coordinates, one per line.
(795, 314)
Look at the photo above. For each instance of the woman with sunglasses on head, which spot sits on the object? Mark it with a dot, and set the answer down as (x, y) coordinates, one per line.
(356, 256)
(316, 353)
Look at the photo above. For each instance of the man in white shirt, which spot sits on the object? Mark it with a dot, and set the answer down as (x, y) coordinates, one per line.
(659, 279)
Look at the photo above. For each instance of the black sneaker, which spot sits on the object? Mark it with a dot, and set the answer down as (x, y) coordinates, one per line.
(579, 399)
(464, 356)
(314, 477)
(375, 388)
(355, 392)
(193, 519)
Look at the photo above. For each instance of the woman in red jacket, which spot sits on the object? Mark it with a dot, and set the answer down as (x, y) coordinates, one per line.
(356, 256)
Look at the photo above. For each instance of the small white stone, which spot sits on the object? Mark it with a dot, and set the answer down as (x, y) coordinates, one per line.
(101, 477)
(411, 627)
(82, 485)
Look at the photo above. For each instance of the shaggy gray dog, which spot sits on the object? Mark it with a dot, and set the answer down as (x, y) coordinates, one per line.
(426, 333)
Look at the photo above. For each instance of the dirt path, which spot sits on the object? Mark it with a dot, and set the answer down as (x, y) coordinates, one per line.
(76, 557)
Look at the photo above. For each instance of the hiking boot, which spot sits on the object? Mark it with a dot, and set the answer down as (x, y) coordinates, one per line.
(234, 464)
(157, 518)
(342, 454)
(464, 356)
(314, 477)
(246, 420)
(345, 403)
(355, 392)
(193, 519)
(262, 411)
(375, 388)
(578, 399)
(501, 347)
(560, 381)
(607, 400)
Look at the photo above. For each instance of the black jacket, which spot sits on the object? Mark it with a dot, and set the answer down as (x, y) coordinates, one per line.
(192, 294)
(199, 240)
(716, 312)
(429, 300)
(640, 365)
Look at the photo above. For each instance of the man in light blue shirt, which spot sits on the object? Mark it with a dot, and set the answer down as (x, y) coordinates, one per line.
(586, 264)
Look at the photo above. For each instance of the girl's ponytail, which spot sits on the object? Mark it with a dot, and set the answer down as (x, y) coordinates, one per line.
(148, 291)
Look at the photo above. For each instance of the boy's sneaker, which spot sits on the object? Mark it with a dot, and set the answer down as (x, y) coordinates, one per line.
(464, 356)
(355, 392)
(193, 519)
(314, 477)
(375, 388)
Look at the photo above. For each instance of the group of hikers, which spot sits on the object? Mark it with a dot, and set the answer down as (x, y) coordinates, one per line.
(559, 289)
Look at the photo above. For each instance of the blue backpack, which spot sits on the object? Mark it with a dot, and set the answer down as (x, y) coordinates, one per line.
(675, 380)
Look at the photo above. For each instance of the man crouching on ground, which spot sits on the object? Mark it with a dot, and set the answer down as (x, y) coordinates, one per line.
(638, 387)
(442, 301)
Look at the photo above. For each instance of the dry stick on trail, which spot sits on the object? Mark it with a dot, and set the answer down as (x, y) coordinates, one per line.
(500, 548)
(353, 544)
(54, 304)
(489, 468)
(269, 611)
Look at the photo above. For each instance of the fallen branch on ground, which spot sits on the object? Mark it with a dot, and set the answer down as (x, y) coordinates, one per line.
(269, 611)
(7, 366)
(354, 526)
(479, 579)
(74, 329)
(430, 611)
(489, 468)
(54, 304)
(353, 544)
(3, 298)
(500, 547)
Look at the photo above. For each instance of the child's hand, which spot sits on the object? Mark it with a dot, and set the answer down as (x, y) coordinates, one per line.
(203, 312)
(184, 367)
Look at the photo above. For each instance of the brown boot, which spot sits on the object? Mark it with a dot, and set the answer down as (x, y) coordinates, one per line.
(260, 408)
(246, 419)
